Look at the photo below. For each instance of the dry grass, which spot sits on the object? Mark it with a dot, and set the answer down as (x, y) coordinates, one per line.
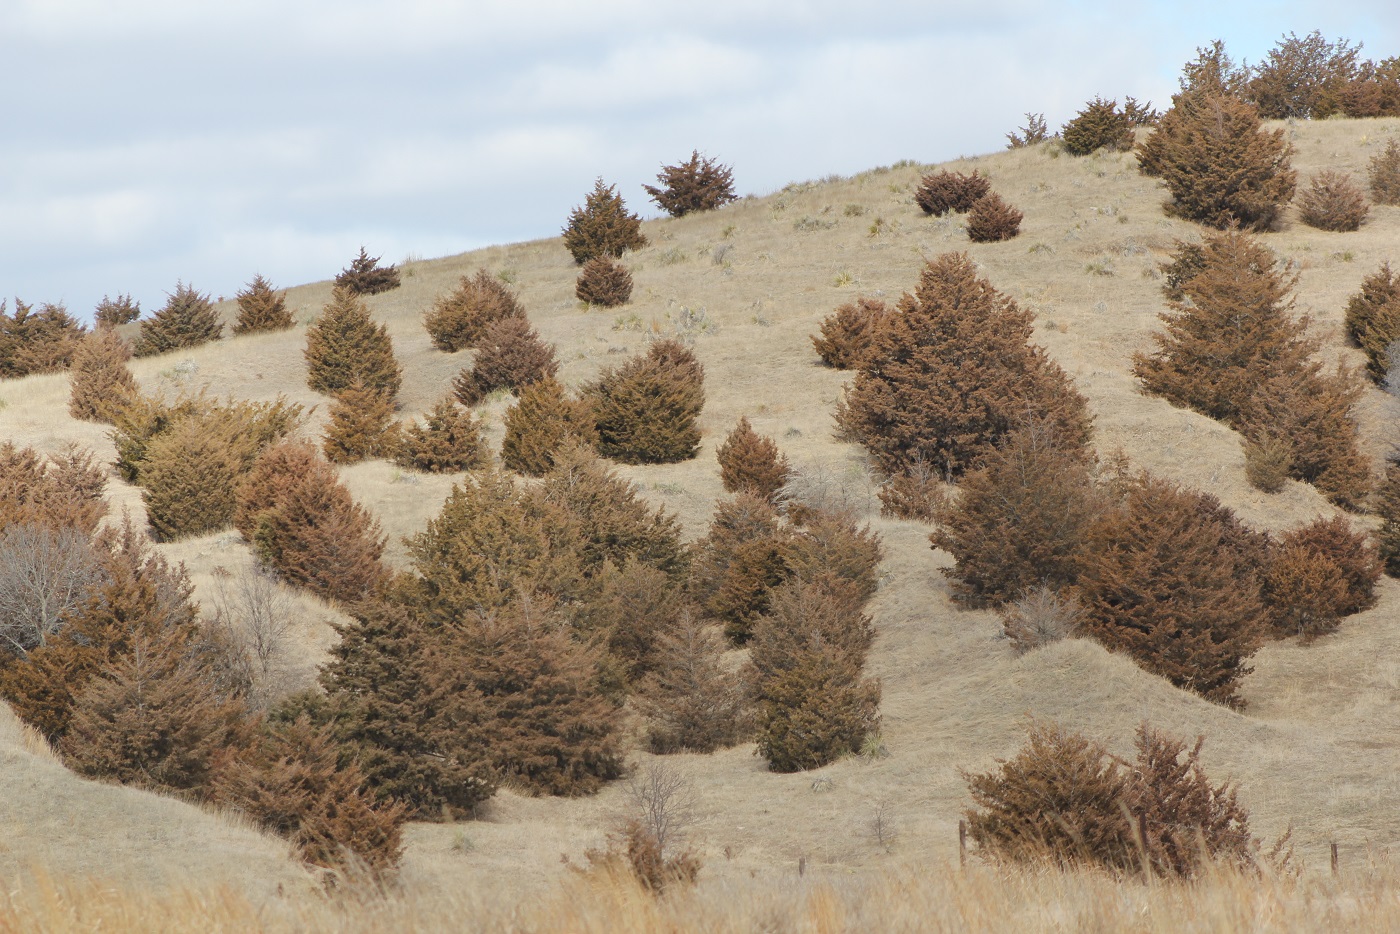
(1315, 748)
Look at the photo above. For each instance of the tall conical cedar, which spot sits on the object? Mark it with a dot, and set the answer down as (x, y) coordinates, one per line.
(543, 423)
(345, 345)
(100, 382)
(261, 309)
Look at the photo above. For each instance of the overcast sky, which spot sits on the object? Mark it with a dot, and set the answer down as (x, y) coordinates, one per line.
(153, 140)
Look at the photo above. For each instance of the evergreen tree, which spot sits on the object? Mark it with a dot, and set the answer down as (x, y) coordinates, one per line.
(752, 463)
(691, 700)
(951, 374)
(739, 563)
(114, 312)
(510, 355)
(190, 477)
(646, 410)
(364, 276)
(449, 441)
(1388, 508)
(604, 282)
(700, 183)
(37, 341)
(1373, 320)
(461, 318)
(100, 383)
(603, 226)
(361, 426)
(543, 423)
(1100, 125)
(261, 309)
(344, 346)
(187, 319)
(848, 334)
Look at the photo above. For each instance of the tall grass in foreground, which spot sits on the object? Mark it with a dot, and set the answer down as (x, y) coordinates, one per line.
(907, 899)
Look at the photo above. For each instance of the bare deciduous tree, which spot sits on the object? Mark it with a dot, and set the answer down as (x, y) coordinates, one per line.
(45, 573)
(257, 611)
(663, 801)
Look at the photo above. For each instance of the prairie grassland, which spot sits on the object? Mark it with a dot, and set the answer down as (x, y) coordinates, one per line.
(1315, 749)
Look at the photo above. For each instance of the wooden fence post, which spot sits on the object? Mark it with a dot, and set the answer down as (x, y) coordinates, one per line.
(1334, 859)
(962, 843)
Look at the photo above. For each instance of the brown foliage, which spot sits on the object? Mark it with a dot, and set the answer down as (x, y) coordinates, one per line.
(1188, 259)
(692, 700)
(1387, 507)
(1019, 520)
(1383, 173)
(37, 341)
(1035, 131)
(449, 441)
(646, 409)
(951, 374)
(700, 183)
(1100, 125)
(510, 356)
(364, 276)
(603, 226)
(604, 282)
(302, 522)
(541, 424)
(1319, 573)
(739, 562)
(1268, 462)
(629, 610)
(361, 426)
(807, 655)
(190, 477)
(1170, 578)
(991, 220)
(943, 192)
(752, 463)
(114, 312)
(1063, 799)
(261, 309)
(848, 333)
(1332, 201)
(460, 319)
(1373, 320)
(1303, 78)
(345, 346)
(917, 493)
(293, 783)
(155, 717)
(100, 383)
(1221, 167)
(187, 319)
(61, 491)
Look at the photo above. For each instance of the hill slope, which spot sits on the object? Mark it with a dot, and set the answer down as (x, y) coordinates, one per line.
(750, 283)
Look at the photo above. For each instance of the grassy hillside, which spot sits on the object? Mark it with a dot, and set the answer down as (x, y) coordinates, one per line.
(1312, 750)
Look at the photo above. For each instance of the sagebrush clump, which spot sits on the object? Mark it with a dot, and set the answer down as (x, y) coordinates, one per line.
(700, 183)
(460, 319)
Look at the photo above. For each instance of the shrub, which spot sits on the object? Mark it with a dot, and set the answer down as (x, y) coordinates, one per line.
(751, 463)
(628, 610)
(1220, 167)
(1065, 800)
(943, 192)
(1383, 173)
(460, 319)
(543, 423)
(848, 333)
(951, 374)
(829, 549)
(1387, 507)
(1268, 463)
(1352, 561)
(739, 562)
(807, 654)
(991, 220)
(190, 477)
(602, 227)
(155, 717)
(100, 383)
(60, 491)
(1039, 617)
(1373, 320)
(646, 409)
(1100, 125)
(37, 341)
(1333, 202)
(1302, 78)
(1188, 260)
(1033, 132)
(1304, 591)
(261, 309)
(511, 355)
(187, 319)
(650, 839)
(700, 183)
(364, 276)
(361, 426)
(301, 521)
(1164, 579)
(604, 282)
(1019, 520)
(691, 700)
(114, 312)
(449, 441)
(344, 347)
(292, 782)
(917, 493)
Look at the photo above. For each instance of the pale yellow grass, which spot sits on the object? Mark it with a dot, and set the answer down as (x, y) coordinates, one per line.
(1314, 750)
